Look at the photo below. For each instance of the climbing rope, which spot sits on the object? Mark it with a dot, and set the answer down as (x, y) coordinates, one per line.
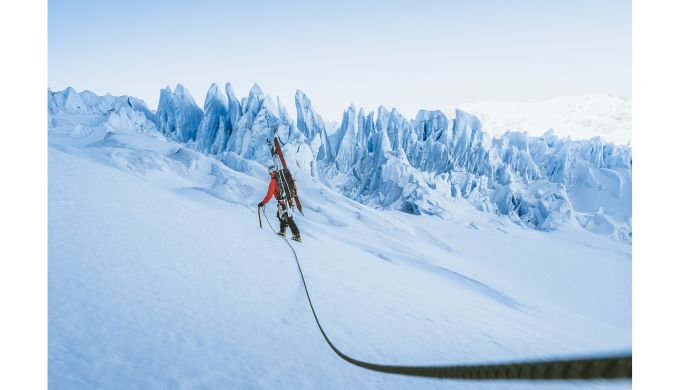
(613, 367)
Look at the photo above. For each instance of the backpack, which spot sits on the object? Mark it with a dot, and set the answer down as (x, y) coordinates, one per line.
(286, 183)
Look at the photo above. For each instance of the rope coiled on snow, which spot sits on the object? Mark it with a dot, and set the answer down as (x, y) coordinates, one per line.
(612, 367)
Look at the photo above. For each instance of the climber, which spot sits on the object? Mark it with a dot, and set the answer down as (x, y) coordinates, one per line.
(282, 213)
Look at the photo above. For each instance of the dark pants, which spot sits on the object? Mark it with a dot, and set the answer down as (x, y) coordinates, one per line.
(285, 221)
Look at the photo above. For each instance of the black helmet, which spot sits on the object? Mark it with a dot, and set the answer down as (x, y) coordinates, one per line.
(271, 169)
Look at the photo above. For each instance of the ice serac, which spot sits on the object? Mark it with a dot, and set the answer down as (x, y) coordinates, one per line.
(86, 102)
(215, 120)
(72, 103)
(257, 124)
(597, 177)
(512, 161)
(178, 114)
(429, 164)
(428, 142)
(286, 129)
(347, 153)
(307, 120)
(112, 112)
(235, 110)
(313, 127)
(140, 105)
(469, 144)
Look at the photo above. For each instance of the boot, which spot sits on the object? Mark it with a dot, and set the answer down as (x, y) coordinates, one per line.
(297, 238)
(283, 234)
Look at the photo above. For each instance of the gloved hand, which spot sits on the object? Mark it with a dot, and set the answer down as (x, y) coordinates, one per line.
(260, 204)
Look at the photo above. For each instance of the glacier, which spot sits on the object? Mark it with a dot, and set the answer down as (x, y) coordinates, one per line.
(426, 241)
(427, 165)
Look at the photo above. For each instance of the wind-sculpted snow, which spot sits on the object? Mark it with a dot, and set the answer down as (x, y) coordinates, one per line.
(428, 165)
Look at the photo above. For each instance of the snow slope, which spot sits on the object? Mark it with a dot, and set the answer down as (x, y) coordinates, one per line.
(160, 277)
(578, 117)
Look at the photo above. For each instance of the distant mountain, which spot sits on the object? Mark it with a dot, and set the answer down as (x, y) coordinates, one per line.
(579, 117)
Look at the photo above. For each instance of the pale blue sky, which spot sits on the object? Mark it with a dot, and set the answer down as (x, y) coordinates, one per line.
(403, 54)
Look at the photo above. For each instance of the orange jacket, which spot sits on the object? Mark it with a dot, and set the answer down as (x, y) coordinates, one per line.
(274, 190)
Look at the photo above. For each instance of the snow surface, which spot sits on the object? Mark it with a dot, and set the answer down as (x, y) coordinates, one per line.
(160, 277)
(578, 117)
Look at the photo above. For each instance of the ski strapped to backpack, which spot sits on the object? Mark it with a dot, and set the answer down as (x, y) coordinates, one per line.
(284, 178)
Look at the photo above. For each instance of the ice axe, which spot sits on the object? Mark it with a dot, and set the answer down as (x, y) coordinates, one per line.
(258, 216)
